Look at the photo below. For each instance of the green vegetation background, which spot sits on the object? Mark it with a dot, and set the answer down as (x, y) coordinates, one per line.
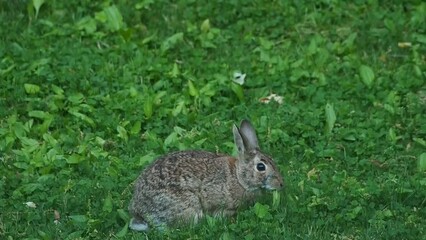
(92, 91)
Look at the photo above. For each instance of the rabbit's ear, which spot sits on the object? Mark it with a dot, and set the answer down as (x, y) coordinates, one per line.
(238, 140)
(249, 136)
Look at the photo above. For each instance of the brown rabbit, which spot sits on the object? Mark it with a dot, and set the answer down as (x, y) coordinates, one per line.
(186, 185)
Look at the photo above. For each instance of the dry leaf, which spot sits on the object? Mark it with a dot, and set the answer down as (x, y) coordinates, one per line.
(239, 78)
(312, 173)
(57, 215)
(272, 97)
(30, 204)
(378, 164)
(404, 44)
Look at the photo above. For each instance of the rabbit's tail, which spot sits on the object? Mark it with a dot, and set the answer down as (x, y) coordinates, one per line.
(138, 225)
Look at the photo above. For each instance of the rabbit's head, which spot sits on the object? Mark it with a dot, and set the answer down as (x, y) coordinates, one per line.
(255, 170)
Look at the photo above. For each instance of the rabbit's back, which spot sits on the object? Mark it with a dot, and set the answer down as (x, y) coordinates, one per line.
(180, 170)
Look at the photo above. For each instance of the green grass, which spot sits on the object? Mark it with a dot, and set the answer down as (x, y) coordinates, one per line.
(91, 92)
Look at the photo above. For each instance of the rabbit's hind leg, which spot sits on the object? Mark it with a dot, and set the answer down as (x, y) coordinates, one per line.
(186, 208)
(191, 215)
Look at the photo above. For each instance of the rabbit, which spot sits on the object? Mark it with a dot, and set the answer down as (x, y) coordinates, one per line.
(182, 187)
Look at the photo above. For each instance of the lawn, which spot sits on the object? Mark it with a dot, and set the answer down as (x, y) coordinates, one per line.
(91, 92)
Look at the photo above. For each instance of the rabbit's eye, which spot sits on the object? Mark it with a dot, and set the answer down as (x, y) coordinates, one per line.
(260, 167)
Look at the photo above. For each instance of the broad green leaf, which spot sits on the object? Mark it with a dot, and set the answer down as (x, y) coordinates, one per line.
(114, 18)
(418, 71)
(57, 90)
(350, 137)
(146, 159)
(44, 127)
(238, 90)
(38, 114)
(390, 24)
(330, 118)
(133, 92)
(354, 212)
(107, 207)
(349, 41)
(422, 162)
(389, 108)
(31, 88)
(20, 130)
(136, 128)
(3, 131)
(249, 236)
(149, 39)
(98, 153)
(322, 81)
(158, 96)
(225, 236)
(313, 46)
(74, 159)
(200, 142)
(123, 214)
(82, 116)
(265, 43)
(175, 71)
(29, 145)
(367, 75)
(31, 187)
(37, 5)
(38, 64)
(122, 233)
(205, 26)
(42, 234)
(122, 133)
(75, 235)
(78, 218)
(50, 139)
(30, 10)
(387, 213)
(392, 135)
(178, 109)
(171, 41)
(276, 199)
(192, 89)
(421, 38)
(100, 141)
(261, 210)
(29, 141)
(420, 141)
(126, 33)
(172, 138)
(86, 24)
(265, 56)
(180, 131)
(76, 98)
(21, 165)
(316, 191)
(147, 107)
(101, 16)
(298, 73)
(143, 4)
(7, 70)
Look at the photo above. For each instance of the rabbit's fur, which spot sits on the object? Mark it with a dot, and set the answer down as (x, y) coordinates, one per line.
(184, 186)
